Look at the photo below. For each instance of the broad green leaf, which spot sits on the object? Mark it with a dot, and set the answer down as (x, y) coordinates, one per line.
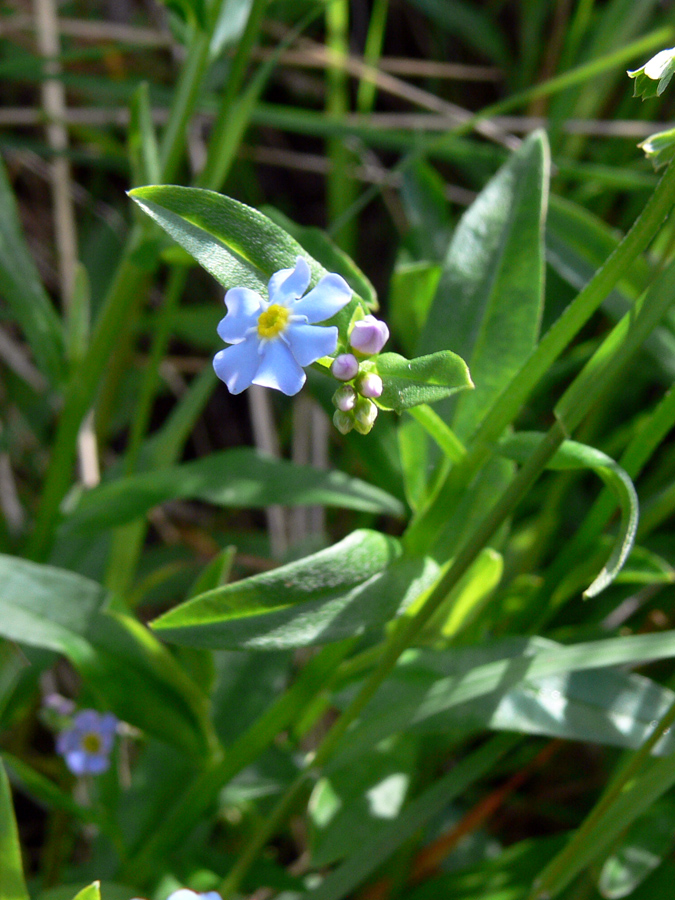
(12, 884)
(22, 290)
(573, 455)
(425, 379)
(238, 245)
(109, 890)
(241, 477)
(355, 585)
(414, 452)
(43, 606)
(468, 674)
(489, 300)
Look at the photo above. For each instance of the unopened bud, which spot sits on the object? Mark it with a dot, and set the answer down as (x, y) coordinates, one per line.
(345, 367)
(370, 385)
(343, 421)
(365, 414)
(345, 398)
(369, 335)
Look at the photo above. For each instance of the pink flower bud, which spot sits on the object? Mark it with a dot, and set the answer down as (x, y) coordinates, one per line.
(365, 414)
(369, 335)
(370, 385)
(343, 421)
(345, 367)
(345, 398)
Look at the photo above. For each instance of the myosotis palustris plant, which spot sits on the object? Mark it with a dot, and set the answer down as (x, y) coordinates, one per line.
(469, 583)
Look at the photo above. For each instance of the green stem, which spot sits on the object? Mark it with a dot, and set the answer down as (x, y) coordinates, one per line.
(401, 638)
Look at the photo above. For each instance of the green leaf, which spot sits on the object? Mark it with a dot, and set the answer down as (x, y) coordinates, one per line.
(12, 884)
(143, 684)
(352, 586)
(22, 290)
(378, 846)
(426, 379)
(238, 245)
(12, 663)
(573, 455)
(229, 27)
(91, 892)
(241, 478)
(468, 674)
(489, 300)
(411, 292)
(353, 804)
(322, 248)
(43, 606)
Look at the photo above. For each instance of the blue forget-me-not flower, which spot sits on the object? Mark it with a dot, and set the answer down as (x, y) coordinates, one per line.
(86, 745)
(273, 340)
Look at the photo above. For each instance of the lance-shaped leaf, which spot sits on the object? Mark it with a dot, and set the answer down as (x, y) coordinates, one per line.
(490, 296)
(573, 455)
(241, 478)
(359, 583)
(426, 379)
(237, 244)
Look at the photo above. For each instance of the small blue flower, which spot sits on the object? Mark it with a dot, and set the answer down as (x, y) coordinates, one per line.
(86, 745)
(272, 340)
(186, 894)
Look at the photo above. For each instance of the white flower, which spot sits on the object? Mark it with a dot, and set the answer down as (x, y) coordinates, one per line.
(272, 340)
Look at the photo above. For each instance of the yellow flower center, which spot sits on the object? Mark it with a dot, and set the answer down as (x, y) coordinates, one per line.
(273, 321)
(91, 743)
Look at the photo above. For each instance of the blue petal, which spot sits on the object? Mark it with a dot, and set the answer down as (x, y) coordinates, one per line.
(107, 725)
(68, 741)
(293, 286)
(323, 301)
(241, 301)
(236, 365)
(278, 369)
(87, 720)
(272, 287)
(77, 762)
(243, 309)
(97, 763)
(310, 342)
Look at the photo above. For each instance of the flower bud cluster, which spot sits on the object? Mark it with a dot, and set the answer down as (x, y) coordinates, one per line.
(353, 399)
